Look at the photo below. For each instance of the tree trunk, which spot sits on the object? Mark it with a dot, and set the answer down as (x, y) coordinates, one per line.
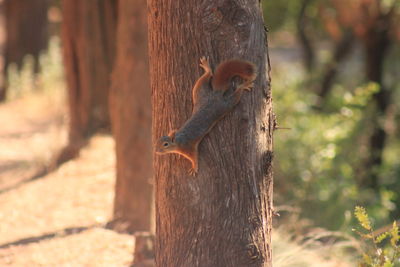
(223, 215)
(26, 29)
(143, 255)
(341, 51)
(304, 39)
(376, 43)
(88, 31)
(130, 108)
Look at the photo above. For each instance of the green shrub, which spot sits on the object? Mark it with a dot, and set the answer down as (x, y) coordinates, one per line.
(377, 252)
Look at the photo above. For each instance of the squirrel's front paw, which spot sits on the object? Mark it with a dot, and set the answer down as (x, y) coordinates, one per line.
(204, 64)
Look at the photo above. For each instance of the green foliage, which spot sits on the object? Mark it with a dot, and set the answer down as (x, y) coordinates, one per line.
(362, 218)
(279, 13)
(316, 160)
(376, 252)
(283, 15)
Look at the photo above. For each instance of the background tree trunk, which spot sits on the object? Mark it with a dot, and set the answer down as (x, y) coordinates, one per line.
(376, 46)
(130, 108)
(341, 50)
(26, 29)
(88, 34)
(304, 38)
(223, 216)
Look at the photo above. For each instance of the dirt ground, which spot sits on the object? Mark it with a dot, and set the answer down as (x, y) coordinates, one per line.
(56, 220)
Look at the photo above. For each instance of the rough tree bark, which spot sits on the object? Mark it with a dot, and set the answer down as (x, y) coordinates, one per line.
(130, 109)
(88, 35)
(223, 215)
(26, 29)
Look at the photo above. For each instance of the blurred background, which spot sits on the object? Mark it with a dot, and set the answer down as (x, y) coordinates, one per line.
(335, 85)
(335, 68)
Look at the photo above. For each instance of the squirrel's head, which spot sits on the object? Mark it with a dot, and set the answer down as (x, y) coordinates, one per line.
(165, 144)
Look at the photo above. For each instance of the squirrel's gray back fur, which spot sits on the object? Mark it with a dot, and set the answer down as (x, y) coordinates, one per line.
(211, 107)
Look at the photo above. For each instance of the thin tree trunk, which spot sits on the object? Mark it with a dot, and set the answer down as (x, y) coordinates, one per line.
(88, 31)
(341, 51)
(130, 108)
(304, 39)
(223, 215)
(26, 29)
(377, 42)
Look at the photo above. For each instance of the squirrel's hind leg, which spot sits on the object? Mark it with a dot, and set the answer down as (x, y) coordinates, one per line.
(247, 85)
(237, 94)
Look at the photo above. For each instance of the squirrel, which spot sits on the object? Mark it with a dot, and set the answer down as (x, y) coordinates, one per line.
(212, 100)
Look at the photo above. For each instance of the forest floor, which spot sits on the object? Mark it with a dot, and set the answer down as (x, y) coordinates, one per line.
(58, 220)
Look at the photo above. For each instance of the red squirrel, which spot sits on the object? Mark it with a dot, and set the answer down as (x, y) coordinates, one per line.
(211, 102)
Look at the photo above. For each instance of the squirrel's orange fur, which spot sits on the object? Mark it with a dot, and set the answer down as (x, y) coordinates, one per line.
(227, 70)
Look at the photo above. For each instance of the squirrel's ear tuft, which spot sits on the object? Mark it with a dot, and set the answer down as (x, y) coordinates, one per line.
(171, 135)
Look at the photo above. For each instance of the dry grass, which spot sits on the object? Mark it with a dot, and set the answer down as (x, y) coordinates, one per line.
(311, 253)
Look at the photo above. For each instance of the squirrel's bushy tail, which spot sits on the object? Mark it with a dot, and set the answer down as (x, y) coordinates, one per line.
(227, 70)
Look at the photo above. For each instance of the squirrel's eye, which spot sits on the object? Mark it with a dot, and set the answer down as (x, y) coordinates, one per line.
(165, 144)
